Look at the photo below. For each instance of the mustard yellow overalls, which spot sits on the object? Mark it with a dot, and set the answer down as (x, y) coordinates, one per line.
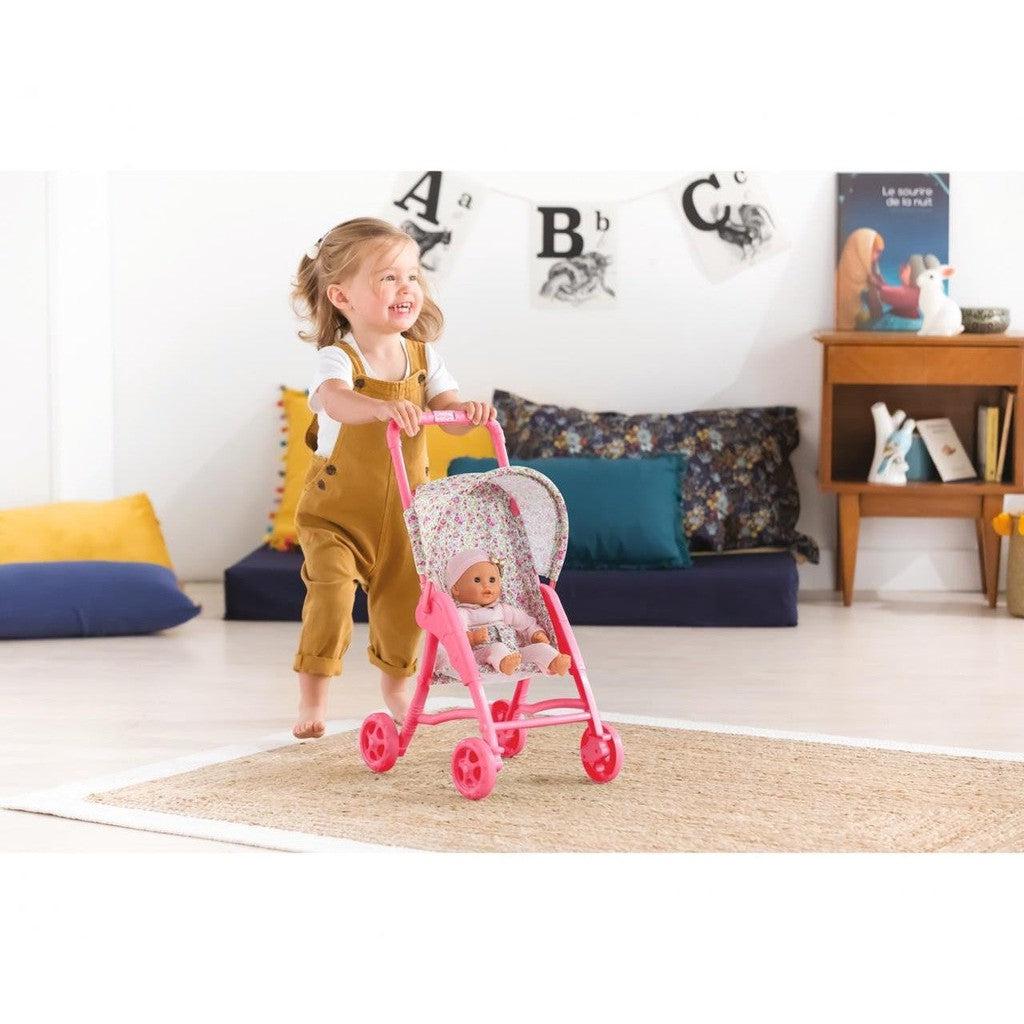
(351, 531)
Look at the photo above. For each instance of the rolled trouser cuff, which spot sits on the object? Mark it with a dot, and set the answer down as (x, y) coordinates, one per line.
(399, 671)
(317, 666)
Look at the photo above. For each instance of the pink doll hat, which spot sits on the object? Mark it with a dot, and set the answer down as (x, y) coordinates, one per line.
(459, 563)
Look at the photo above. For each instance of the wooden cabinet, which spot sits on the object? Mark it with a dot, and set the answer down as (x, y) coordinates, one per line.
(927, 377)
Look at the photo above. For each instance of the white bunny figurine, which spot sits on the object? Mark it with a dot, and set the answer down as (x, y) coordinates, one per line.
(893, 435)
(941, 314)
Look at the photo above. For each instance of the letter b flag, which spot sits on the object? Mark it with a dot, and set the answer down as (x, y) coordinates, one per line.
(573, 249)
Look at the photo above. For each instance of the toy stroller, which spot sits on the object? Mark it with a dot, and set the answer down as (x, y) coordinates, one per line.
(520, 514)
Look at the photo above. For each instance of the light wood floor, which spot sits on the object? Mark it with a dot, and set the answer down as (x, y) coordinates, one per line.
(925, 668)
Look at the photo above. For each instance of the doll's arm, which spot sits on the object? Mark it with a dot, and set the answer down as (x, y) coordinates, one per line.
(525, 624)
(476, 635)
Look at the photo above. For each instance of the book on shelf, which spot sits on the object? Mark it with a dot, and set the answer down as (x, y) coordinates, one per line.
(987, 448)
(1008, 398)
(946, 449)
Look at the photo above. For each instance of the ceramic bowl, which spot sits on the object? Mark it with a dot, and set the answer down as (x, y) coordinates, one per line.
(985, 319)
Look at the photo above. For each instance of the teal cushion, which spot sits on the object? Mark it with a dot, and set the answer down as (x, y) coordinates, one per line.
(623, 513)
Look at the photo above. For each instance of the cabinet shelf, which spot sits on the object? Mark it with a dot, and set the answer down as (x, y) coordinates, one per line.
(921, 487)
(928, 377)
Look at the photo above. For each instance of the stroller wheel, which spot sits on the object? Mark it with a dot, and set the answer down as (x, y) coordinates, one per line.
(602, 757)
(473, 768)
(511, 742)
(378, 742)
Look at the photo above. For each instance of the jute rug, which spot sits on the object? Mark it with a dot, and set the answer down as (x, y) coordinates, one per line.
(684, 787)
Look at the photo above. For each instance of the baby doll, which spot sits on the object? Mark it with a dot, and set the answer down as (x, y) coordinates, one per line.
(494, 629)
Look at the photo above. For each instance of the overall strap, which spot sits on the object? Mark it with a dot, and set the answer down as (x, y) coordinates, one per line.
(312, 432)
(358, 370)
(417, 356)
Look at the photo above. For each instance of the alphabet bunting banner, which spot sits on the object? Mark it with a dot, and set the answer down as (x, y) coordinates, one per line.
(730, 221)
(574, 246)
(727, 215)
(436, 209)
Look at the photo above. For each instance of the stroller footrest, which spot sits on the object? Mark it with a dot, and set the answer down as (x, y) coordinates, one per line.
(568, 703)
(446, 716)
(533, 723)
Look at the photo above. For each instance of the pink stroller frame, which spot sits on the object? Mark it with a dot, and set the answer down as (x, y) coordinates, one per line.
(519, 515)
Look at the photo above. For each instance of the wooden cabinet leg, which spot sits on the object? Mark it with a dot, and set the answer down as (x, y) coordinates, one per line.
(849, 533)
(839, 551)
(991, 506)
(979, 525)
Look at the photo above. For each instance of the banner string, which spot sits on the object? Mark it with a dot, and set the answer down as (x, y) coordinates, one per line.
(614, 202)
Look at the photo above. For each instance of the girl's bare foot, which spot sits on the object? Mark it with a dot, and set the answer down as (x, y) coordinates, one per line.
(312, 707)
(393, 690)
(510, 663)
(559, 665)
(310, 725)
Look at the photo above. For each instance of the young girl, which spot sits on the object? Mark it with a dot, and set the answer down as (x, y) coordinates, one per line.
(372, 321)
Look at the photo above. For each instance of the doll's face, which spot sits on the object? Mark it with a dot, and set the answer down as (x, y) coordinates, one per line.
(479, 584)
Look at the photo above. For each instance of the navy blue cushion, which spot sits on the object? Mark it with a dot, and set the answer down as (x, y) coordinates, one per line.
(623, 513)
(54, 599)
(265, 586)
(720, 590)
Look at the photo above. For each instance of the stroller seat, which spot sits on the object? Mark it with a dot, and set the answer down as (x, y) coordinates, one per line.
(515, 513)
(447, 674)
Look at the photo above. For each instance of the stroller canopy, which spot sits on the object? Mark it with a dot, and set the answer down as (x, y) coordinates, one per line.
(515, 513)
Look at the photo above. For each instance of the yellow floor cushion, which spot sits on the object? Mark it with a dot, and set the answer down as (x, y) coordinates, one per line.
(295, 455)
(119, 530)
(442, 447)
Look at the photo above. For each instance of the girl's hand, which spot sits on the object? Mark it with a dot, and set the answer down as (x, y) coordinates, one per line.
(478, 412)
(477, 636)
(407, 413)
(540, 637)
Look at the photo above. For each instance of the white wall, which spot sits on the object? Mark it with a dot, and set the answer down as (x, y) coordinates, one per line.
(56, 387)
(24, 379)
(82, 439)
(202, 335)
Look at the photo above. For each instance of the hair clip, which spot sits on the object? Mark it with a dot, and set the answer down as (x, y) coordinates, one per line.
(315, 251)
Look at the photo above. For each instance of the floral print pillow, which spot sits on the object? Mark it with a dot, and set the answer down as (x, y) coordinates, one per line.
(740, 490)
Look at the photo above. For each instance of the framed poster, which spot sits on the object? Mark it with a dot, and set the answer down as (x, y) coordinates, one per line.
(890, 228)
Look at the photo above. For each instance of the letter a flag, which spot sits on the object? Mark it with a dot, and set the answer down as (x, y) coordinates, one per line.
(436, 209)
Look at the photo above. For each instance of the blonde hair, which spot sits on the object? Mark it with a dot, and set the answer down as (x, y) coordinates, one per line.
(339, 256)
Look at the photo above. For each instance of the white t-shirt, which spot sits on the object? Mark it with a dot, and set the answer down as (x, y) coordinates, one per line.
(333, 363)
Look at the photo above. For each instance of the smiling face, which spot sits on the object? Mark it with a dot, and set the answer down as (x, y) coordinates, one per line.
(479, 584)
(384, 296)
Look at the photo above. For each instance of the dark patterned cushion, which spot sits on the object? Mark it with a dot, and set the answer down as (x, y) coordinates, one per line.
(740, 491)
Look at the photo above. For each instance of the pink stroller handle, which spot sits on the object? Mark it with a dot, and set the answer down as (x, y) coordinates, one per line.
(433, 418)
